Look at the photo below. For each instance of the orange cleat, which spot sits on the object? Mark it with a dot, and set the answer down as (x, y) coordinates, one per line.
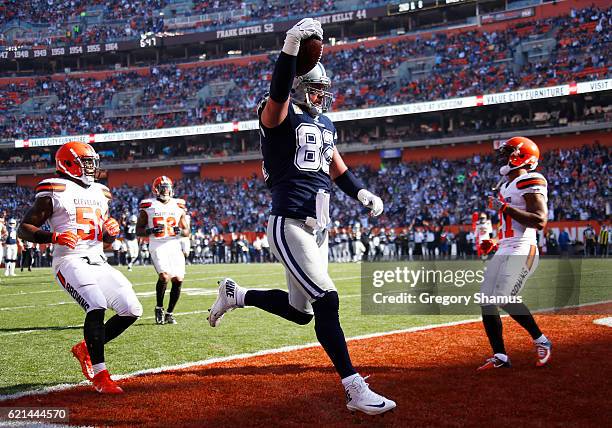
(81, 353)
(105, 385)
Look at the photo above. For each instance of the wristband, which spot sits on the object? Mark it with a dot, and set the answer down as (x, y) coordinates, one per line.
(349, 184)
(43, 237)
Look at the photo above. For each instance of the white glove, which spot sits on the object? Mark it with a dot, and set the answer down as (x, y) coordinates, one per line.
(371, 201)
(302, 30)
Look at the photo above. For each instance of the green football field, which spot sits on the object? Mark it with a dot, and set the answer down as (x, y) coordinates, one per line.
(39, 322)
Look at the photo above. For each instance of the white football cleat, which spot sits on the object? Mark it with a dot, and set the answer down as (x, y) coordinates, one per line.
(226, 301)
(360, 397)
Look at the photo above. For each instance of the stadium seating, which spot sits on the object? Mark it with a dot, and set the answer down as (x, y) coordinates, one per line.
(440, 66)
(34, 22)
(441, 191)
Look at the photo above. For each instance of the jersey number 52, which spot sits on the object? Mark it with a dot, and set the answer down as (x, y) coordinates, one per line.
(169, 224)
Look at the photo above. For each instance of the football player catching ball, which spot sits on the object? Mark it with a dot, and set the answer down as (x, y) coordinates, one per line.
(300, 161)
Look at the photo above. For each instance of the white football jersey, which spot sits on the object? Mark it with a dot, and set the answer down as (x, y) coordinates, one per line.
(512, 231)
(79, 209)
(483, 230)
(163, 214)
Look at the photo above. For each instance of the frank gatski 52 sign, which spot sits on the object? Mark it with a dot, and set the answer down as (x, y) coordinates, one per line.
(168, 39)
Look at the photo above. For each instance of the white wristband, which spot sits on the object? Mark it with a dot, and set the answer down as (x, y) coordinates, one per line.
(292, 45)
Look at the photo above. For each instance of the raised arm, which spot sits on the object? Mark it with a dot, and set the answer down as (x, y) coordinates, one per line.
(277, 106)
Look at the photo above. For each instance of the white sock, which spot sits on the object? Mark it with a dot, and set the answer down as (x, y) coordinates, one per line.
(541, 339)
(348, 380)
(13, 268)
(97, 368)
(502, 357)
(240, 293)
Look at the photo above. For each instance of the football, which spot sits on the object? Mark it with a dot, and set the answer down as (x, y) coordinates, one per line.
(311, 50)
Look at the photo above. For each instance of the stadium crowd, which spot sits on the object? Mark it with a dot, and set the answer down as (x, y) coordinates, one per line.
(463, 63)
(116, 20)
(421, 200)
(440, 192)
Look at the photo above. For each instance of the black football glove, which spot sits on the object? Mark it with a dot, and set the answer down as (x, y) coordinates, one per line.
(157, 230)
(177, 230)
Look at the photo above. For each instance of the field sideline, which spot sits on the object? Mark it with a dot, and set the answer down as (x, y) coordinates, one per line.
(35, 315)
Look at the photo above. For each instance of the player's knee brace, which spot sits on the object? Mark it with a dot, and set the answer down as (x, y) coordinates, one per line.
(94, 318)
(93, 330)
(298, 317)
(516, 309)
(326, 307)
(489, 310)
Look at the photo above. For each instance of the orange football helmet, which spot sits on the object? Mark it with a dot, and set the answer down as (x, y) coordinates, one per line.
(78, 160)
(162, 188)
(518, 152)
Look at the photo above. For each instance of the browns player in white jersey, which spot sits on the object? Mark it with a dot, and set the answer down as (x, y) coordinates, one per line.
(76, 209)
(522, 206)
(3, 235)
(163, 221)
(11, 249)
(484, 233)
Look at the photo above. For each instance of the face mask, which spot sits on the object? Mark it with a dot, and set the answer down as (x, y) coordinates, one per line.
(505, 170)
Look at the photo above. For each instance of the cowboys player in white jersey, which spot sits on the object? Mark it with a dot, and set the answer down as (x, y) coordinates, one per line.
(300, 160)
(522, 207)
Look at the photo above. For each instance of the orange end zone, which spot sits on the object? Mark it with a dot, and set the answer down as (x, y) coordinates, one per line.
(431, 374)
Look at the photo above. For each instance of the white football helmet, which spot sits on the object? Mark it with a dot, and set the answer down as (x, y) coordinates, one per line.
(315, 82)
(12, 222)
(133, 219)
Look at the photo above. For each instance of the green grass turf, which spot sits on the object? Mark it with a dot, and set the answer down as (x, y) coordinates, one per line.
(39, 322)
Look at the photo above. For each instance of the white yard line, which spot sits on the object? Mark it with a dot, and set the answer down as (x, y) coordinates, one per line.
(604, 321)
(149, 283)
(145, 294)
(63, 387)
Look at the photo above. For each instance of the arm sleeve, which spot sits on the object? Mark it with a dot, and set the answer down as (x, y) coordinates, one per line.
(349, 183)
(282, 77)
